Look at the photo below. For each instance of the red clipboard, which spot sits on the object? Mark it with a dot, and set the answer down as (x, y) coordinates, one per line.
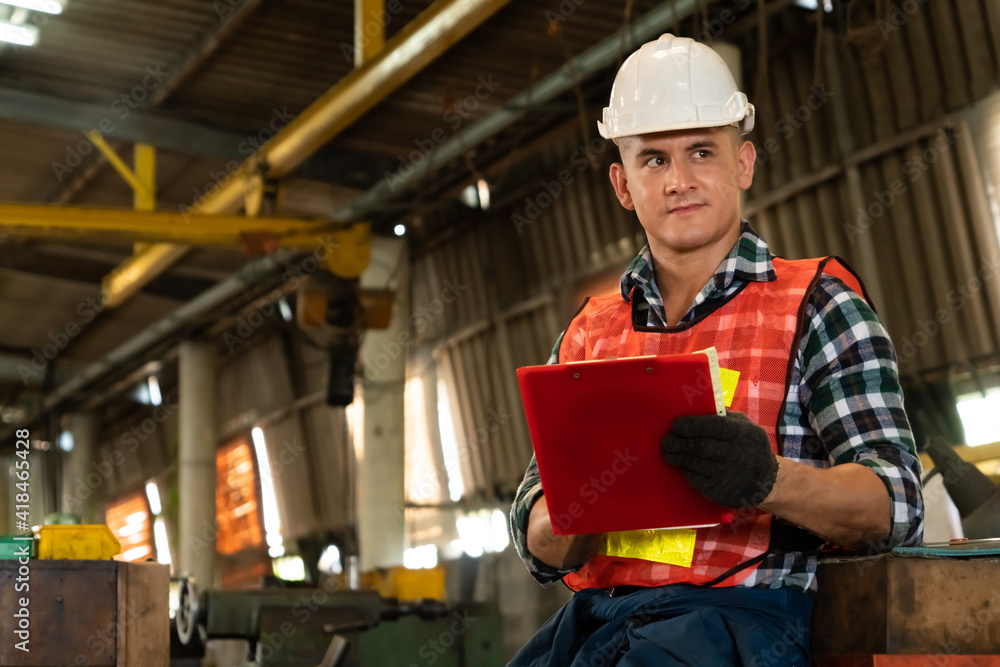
(596, 428)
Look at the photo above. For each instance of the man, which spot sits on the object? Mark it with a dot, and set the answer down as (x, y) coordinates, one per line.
(817, 448)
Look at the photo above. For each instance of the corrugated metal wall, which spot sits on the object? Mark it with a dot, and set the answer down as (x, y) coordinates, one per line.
(137, 446)
(309, 451)
(512, 283)
(869, 162)
(872, 163)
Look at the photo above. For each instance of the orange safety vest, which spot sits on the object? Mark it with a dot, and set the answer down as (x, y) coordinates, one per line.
(756, 332)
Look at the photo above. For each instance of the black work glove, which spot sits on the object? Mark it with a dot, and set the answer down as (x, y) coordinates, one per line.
(726, 459)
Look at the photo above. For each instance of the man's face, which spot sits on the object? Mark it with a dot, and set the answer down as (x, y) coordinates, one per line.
(685, 185)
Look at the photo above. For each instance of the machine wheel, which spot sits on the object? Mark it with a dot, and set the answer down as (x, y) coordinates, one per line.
(188, 611)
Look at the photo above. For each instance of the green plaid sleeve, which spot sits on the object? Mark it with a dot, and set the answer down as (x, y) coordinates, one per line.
(851, 391)
(529, 491)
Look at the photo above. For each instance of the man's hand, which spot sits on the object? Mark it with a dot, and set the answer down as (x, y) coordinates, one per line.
(562, 552)
(726, 459)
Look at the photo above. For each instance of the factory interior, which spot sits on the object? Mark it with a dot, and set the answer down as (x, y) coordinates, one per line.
(268, 268)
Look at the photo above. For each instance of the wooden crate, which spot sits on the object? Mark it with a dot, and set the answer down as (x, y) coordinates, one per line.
(95, 613)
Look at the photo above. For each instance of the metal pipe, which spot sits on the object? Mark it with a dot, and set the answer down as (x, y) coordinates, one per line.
(418, 44)
(460, 17)
(252, 274)
(31, 370)
(368, 42)
(594, 59)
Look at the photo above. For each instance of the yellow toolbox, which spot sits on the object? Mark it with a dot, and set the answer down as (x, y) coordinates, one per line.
(95, 542)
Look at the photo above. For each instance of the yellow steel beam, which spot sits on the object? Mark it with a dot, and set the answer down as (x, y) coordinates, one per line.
(130, 177)
(117, 225)
(979, 454)
(143, 183)
(151, 260)
(144, 199)
(344, 249)
(419, 43)
(369, 29)
(134, 273)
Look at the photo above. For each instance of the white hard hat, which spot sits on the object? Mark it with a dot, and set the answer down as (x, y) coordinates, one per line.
(674, 83)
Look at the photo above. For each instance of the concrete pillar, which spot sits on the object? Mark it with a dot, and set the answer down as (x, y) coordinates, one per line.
(83, 491)
(196, 462)
(382, 360)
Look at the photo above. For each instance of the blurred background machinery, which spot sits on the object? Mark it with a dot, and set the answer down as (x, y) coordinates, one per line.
(310, 627)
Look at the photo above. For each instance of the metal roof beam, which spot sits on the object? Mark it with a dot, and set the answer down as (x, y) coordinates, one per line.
(108, 225)
(177, 135)
(188, 64)
(600, 56)
(369, 29)
(133, 125)
(419, 43)
(205, 304)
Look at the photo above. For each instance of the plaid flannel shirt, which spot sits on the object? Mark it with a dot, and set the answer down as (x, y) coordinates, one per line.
(844, 403)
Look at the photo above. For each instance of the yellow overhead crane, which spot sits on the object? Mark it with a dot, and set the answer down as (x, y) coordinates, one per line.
(345, 248)
(382, 66)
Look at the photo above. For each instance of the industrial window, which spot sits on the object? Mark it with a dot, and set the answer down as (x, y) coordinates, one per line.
(129, 520)
(979, 412)
(236, 498)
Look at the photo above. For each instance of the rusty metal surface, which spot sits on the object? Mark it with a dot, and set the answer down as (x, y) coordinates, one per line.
(893, 605)
(911, 661)
(72, 613)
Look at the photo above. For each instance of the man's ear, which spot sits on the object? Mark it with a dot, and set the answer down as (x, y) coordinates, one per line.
(620, 182)
(747, 156)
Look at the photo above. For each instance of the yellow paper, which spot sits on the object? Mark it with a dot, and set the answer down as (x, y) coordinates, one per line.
(672, 546)
(730, 379)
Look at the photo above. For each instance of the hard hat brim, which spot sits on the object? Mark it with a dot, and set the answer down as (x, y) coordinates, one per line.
(609, 130)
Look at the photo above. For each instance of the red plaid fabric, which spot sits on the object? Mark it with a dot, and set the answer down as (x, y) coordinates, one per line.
(755, 333)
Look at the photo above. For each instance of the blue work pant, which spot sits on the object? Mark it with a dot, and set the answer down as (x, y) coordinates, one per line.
(675, 625)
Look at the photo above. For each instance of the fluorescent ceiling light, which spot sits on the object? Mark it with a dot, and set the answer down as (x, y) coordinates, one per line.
(46, 6)
(22, 35)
